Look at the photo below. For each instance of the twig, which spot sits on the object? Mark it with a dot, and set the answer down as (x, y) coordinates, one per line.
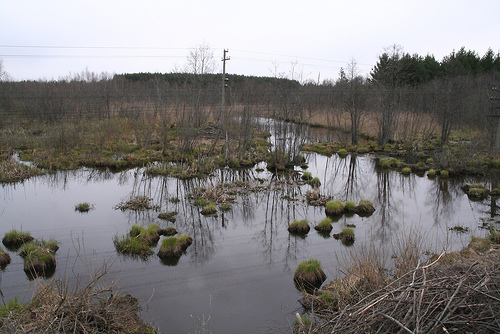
(398, 323)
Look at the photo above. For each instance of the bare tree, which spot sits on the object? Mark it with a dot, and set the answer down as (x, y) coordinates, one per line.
(201, 60)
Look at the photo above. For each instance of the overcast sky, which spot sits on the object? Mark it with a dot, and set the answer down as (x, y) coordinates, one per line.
(51, 39)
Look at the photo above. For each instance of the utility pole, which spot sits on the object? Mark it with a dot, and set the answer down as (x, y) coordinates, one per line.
(224, 85)
(223, 102)
(496, 147)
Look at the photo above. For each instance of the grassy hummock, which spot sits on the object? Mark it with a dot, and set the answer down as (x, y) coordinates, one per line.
(174, 246)
(475, 191)
(4, 258)
(139, 240)
(83, 207)
(334, 208)
(325, 225)
(306, 176)
(209, 209)
(299, 227)
(309, 276)
(346, 236)
(138, 203)
(169, 216)
(39, 259)
(365, 208)
(15, 239)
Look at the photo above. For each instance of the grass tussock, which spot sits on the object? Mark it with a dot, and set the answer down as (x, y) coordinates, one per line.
(309, 275)
(56, 308)
(84, 207)
(137, 203)
(334, 208)
(4, 258)
(15, 239)
(325, 225)
(299, 227)
(174, 247)
(39, 258)
(140, 239)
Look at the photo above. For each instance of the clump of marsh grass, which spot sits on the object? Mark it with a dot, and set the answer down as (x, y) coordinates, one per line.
(306, 176)
(309, 275)
(169, 216)
(315, 198)
(139, 240)
(4, 258)
(39, 259)
(406, 171)
(209, 209)
(365, 208)
(431, 173)
(299, 227)
(13, 171)
(15, 239)
(324, 226)
(346, 236)
(334, 208)
(137, 203)
(350, 206)
(314, 182)
(475, 191)
(173, 247)
(84, 207)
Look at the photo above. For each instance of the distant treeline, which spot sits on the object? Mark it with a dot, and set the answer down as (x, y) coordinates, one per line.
(392, 103)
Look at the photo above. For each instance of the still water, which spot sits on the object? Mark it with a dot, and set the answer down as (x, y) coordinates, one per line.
(237, 275)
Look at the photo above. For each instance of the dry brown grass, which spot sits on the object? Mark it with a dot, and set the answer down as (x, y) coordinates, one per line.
(454, 293)
(55, 308)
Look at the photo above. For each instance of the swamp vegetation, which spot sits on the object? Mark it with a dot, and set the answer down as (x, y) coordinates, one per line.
(157, 154)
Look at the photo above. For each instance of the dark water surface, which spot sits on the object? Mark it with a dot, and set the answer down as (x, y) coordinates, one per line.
(237, 275)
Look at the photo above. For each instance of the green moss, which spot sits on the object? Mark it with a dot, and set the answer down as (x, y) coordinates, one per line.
(429, 161)
(431, 173)
(343, 152)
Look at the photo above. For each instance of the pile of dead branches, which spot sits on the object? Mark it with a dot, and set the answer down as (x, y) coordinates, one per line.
(460, 298)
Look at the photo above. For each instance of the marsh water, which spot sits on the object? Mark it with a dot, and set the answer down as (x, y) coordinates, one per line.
(237, 276)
